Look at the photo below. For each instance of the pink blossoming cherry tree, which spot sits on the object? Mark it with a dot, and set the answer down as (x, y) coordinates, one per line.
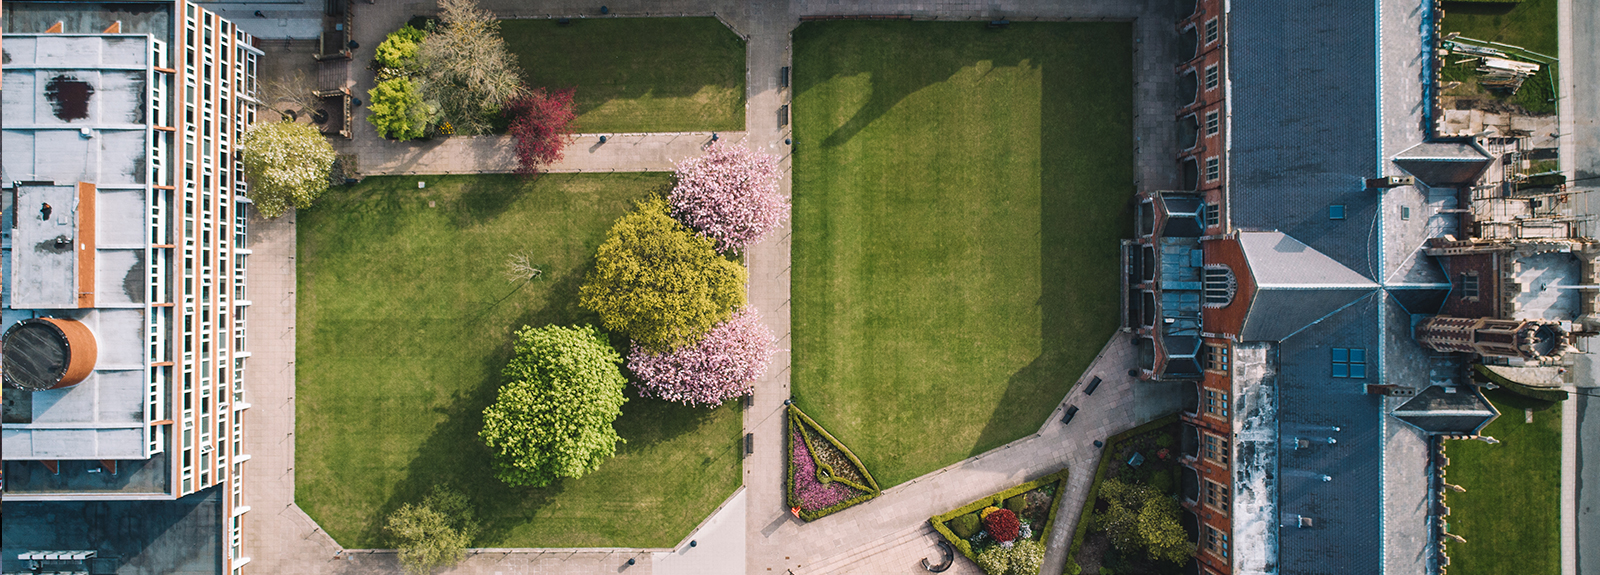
(722, 366)
(729, 195)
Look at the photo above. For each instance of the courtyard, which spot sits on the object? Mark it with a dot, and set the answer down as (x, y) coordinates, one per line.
(959, 196)
(405, 322)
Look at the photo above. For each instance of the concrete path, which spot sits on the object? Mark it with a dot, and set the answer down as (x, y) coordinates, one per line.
(497, 154)
(716, 546)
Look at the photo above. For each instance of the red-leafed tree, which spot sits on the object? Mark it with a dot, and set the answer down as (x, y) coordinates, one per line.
(541, 121)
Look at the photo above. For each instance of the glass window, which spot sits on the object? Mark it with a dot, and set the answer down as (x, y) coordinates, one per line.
(1213, 123)
(1211, 77)
(1336, 212)
(1211, 30)
(1216, 403)
(1216, 542)
(1213, 169)
(1349, 362)
(1216, 496)
(1216, 356)
(1469, 285)
(1216, 448)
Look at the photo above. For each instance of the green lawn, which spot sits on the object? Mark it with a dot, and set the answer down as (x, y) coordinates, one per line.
(638, 74)
(1510, 514)
(1530, 24)
(404, 324)
(959, 195)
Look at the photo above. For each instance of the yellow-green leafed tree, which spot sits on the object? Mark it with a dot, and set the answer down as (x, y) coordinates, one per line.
(660, 283)
(553, 417)
(287, 165)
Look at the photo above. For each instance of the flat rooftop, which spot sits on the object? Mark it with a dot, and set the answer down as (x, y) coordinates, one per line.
(181, 537)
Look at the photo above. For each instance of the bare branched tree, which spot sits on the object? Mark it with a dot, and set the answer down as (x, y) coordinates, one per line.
(293, 92)
(520, 267)
(467, 70)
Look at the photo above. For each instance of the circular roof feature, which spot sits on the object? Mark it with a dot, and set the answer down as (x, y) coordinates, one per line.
(46, 353)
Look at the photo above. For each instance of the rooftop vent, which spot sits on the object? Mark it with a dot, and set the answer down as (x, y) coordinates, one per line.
(1306, 522)
(47, 353)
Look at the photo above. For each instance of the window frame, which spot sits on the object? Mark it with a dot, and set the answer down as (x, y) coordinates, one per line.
(1213, 444)
(1215, 491)
(1471, 286)
(1216, 542)
(1212, 77)
(1213, 168)
(1348, 362)
(1213, 122)
(1213, 31)
(1216, 403)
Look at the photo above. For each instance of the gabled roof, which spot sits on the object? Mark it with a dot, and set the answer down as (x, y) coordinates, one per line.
(1296, 286)
(1449, 410)
(1444, 164)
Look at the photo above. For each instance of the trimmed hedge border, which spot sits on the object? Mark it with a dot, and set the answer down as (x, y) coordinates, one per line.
(1100, 475)
(1059, 478)
(798, 418)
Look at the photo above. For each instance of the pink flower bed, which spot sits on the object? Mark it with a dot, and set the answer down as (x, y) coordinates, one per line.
(813, 494)
(721, 367)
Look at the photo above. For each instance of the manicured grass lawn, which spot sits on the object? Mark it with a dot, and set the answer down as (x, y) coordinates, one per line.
(959, 195)
(638, 74)
(1510, 514)
(404, 325)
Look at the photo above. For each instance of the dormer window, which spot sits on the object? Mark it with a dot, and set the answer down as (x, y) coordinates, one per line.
(1219, 285)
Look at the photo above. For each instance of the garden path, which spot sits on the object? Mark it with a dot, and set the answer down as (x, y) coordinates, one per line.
(655, 152)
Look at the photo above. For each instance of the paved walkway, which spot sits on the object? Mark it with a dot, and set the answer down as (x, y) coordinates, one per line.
(497, 154)
(890, 534)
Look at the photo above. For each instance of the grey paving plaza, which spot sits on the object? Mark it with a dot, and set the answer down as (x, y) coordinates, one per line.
(1303, 289)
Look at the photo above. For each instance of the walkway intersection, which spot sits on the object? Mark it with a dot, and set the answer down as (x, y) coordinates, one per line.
(752, 532)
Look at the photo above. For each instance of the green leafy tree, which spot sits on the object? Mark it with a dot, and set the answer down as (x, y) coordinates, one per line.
(1026, 557)
(398, 110)
(466, 69)
(554, 415)
(1139, 517)
(397, 55)
(287, 165)
(659, 283)
(433, 533)
(995, 560)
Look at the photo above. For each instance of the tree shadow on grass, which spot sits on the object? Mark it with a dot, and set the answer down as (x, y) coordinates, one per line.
(486, 197)
(906, 65)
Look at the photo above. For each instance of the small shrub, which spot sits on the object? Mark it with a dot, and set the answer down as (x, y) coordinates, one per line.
(1073, 568)
(995, 560)
(965, 526)
(1164, 440)
(1017, 504)
(1002, 524)
(1026, 557)
(1162, 481)
(397, 56)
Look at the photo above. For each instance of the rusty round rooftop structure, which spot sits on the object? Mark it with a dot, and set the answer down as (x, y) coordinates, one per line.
(46, 353)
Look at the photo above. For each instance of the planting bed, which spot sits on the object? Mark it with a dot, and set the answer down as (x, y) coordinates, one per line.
(824, 477)
(1033, 503)
(1157, 442)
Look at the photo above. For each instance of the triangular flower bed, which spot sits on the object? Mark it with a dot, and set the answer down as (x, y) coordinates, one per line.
(1032, 510)
(824, 477)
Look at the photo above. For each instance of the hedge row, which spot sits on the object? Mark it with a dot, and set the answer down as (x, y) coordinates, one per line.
(998, 500)
(797, 420)
(1100, 475)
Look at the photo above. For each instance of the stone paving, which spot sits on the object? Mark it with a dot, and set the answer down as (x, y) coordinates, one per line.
(887, 535)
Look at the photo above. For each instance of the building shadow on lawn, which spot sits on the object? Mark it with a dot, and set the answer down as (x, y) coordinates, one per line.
(1085, 209)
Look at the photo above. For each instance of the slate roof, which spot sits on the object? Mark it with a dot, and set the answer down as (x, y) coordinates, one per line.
(1346, 512)
(1457, 410)
(1303, 123)
(1444, 164)
(1296, 286)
